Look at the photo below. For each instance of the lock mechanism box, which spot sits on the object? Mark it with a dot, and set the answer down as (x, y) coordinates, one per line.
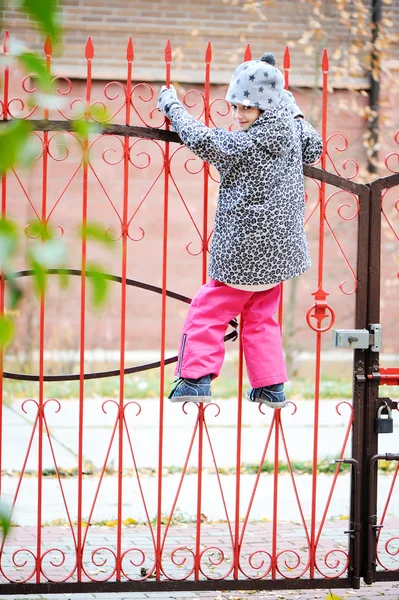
(358, 338)
(351, 338)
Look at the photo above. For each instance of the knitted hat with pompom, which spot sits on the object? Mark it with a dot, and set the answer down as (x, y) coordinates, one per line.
(256, 83)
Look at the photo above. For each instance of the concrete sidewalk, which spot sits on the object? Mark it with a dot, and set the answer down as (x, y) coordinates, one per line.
(99, 419)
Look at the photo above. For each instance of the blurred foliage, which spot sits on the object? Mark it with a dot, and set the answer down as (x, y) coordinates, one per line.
(15, 151)
(99, 284)
(13, 139)
(35, 66)
(5, 519)
(45, 14)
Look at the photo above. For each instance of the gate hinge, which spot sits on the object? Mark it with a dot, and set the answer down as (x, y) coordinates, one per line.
(359, 338)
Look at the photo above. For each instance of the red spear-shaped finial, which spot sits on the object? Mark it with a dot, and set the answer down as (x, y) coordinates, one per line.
(168, 52)
(48, 46)
(130, 50)
(6, 42)
(324, 62)
(248, 53)
(287, 58)
(208, 53)
(89, 52)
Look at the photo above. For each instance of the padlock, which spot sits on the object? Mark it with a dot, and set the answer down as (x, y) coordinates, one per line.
(384, 425)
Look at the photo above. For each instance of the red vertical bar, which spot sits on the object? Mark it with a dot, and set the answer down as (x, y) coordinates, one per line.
(208, 59)
(6, 82)
(89, 54)
(237, 545)
(168, 60)
(129, 56)
(287, 66)
(277, 423)
(201, 418)
(47, 50)
(318, 334)
(277, 416)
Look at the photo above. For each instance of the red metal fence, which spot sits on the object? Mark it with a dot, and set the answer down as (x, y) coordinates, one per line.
(152, 458)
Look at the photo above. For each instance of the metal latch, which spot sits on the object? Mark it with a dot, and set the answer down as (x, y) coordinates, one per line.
(358, 338)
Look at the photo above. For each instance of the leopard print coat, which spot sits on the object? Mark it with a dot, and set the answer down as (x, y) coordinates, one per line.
(259, 235)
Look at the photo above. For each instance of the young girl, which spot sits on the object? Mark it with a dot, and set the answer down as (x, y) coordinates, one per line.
(259, 238)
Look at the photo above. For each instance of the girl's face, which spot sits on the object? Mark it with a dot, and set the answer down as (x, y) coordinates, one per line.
(244, 116)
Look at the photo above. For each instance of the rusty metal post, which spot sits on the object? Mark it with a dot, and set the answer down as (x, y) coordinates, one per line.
(370, 445)
(357, 532)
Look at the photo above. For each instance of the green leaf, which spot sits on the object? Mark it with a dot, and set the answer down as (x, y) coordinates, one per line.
(50, 254)
(99, 284)
(7, 328)
(45, 14)
(39, 275)
(13, 137)
(5, 519)
(83, 128)
(38, 229)
(15, 292)
(42, 256)
(36, 66)
(63, 279)
(95, 232)
(8, 241)
(99, 113)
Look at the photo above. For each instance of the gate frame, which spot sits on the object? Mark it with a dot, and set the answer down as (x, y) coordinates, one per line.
(366, 386)
(362, 543)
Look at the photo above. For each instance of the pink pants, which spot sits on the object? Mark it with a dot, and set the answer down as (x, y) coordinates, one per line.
(202, 347)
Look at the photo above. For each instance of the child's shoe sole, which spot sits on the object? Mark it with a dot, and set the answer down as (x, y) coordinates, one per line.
(204, 399)
(268, 402)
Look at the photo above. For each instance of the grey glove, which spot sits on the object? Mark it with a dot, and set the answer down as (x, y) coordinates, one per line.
(166, 99)
(288, 99)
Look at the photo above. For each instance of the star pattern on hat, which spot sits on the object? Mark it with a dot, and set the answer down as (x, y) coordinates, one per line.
(246, 93)
(257, 105)
(273, 86)
(238, 81)
(269, 100)
(266, 74)
(245, 67)
(251, 77)
(261, 88)
(234, 96)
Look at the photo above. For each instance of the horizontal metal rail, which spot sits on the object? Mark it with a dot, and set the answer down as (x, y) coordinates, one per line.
(102, 374)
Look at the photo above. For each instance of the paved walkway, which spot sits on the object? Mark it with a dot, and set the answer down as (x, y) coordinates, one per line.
(378, 591)
(382, 591)
(179, 547)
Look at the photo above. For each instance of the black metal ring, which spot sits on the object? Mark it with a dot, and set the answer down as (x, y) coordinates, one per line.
(102, 374)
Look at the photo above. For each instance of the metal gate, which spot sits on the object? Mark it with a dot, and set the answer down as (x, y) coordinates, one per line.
(161, 552)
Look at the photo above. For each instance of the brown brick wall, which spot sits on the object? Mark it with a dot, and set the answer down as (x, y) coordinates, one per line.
(184, 270)
(148, 24)
(190, 25)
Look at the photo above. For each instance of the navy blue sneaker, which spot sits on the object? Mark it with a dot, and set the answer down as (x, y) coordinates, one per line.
(192, 390)
(272, 395)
